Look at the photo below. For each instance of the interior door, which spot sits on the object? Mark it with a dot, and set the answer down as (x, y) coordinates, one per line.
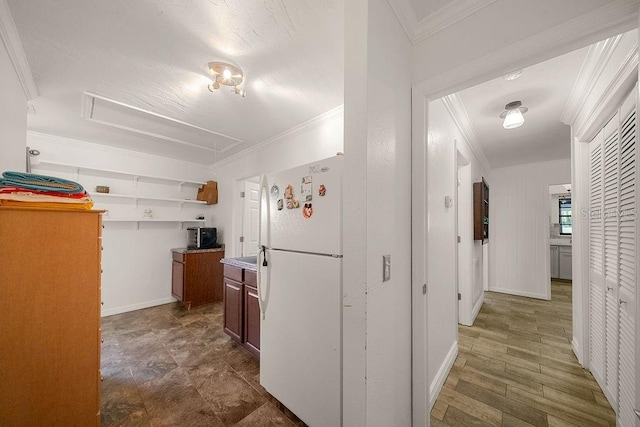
(250, 218)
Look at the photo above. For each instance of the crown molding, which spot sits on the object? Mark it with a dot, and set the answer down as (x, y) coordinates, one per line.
(613, 18)
(296, 130)
(612, 96)
(407, 17)
(592, 67)
(455, 11)
(458, 113)
(11, 40)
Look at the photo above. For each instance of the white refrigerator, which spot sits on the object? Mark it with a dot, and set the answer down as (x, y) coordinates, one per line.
(300, 290)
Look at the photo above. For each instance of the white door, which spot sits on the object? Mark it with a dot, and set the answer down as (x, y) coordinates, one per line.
(250, 218)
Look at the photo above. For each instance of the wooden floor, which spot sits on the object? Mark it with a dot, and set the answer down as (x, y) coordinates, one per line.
(516, 368)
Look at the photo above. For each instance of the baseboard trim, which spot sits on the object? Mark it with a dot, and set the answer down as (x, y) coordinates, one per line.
(139, 306)
(476, 308)
(441, 376)
(519, 293)
(575, 346)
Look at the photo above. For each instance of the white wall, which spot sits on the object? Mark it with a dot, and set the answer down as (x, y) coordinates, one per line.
(519, 226)
(444, 139)
(377, 217)
(315, 140)
(13, 117)
(136, 263)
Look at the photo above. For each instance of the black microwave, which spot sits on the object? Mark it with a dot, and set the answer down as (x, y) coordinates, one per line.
(202, 238)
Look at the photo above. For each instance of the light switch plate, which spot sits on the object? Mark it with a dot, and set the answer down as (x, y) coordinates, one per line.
(386, 268)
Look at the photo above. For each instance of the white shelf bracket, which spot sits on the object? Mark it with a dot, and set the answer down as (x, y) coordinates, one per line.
(180, 225)
(135, 180)
(76, 174)
(180, 184)
(137, 225)
(135, 205)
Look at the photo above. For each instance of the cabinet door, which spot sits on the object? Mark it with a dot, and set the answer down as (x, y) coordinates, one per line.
(565, 265)
(251, 320)
(177, 282)
(233, 309)
(554, 261)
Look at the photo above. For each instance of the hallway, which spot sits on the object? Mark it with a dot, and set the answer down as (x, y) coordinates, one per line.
(515, 367)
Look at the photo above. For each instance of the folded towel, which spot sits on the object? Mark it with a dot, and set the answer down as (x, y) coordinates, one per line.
(27, 192)
(40, 182)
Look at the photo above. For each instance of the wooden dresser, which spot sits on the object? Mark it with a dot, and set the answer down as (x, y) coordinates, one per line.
(49, 317)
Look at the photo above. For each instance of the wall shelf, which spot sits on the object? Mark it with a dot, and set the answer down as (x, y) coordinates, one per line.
(77, 168)
(137, 221)
(137, 198)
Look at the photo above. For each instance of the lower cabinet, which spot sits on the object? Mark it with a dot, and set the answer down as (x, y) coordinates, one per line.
(564, 262)
(233, 309)
(242, 308)
(197, 276)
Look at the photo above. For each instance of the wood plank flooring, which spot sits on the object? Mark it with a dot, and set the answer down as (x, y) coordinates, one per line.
(515, 367)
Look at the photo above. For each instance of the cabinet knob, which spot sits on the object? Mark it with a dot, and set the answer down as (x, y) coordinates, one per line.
(102, 341)
(101, 302)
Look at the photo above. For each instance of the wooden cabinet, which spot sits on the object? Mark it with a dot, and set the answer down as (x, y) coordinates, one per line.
(233, 296)
(50, 317)
(481, 211)
(251, 313)
(242, 308)
(197, 276)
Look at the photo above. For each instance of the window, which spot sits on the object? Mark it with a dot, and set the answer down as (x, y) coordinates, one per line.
(565, 216)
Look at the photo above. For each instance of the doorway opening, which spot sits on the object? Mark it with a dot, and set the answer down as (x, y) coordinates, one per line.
(520, 205)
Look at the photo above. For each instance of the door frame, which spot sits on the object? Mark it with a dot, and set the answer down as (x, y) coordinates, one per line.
(574, 34)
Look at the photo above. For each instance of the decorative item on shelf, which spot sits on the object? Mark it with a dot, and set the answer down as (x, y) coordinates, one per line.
(102, 189)
(226, 74)
(200, 217)
(148, 213)
(208, 193)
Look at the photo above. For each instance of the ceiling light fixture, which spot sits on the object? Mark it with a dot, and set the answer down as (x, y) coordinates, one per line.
(513, 115)
(513, 75)
(226, 74)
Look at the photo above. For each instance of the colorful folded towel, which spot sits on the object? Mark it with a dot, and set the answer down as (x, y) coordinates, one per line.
(40, 182)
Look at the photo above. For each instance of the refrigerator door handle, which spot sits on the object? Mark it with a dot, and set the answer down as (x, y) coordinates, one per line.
(264, 195)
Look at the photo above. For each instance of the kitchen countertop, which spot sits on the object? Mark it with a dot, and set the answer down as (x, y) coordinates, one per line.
(247, 262)
(197, 251)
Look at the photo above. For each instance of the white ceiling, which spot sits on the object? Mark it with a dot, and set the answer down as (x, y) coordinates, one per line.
(151, 55)
(544, 89)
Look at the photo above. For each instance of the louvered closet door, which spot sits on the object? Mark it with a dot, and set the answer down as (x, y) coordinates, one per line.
(610, 256)
(628, 261)
(596, 276)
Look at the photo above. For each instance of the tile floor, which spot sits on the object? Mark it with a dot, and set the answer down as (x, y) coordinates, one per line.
(516, 368)
(166, 366)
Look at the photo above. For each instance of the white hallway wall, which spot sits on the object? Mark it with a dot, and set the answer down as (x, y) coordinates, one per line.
(519, 226)
(136, 263)
(13, 116)
(377, 217)
(444, 139)
(318, 139)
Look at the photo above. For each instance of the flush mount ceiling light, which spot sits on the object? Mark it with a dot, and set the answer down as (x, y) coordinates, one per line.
(513, 115)
(513, 75)
(226, 74)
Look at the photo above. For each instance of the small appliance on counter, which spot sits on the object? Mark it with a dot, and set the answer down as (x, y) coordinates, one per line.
(202, 238)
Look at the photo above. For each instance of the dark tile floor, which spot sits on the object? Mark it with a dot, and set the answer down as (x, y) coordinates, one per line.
(166, 366)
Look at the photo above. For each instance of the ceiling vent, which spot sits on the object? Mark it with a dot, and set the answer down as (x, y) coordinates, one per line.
(105, 111)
